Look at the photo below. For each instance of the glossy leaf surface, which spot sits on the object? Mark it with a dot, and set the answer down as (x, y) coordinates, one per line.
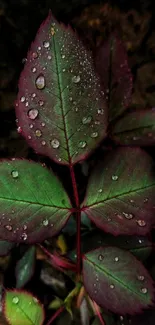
(135, 128)
(61, 108)
(21, 308)
(33, 202)
(5, 247)
(112, 66)
(121, 193)
(25, 267)
(114, 284)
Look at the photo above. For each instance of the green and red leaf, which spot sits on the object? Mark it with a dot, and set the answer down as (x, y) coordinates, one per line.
(121, 193)
(61, 108)
(135, 128)
(112, 66)
(33, 202)
(111, 281)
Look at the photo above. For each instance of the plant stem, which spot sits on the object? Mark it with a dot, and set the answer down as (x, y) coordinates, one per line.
(78, 220)
(98, 313)
(57, 313)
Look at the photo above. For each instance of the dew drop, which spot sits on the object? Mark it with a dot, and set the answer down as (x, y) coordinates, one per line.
(76, 79)
(144, 290)
(40, 82)
(46, 44)
(43, 143)
(128, 216)
(141, 223)
(45, 222)
(19, 129)
(49, 57)
(33, 69)
(112, 286)
(38, 133)
(24, 227)
(100, 111)
(140, 277)
(43, 124)
(22, 99)
(39, 48)
(100, 190)
(82, 144)
(33, 95)
(8, 227)
(116, 259)
(24, 236)
(55, 143)
(52, 31)
(14, 174)
(94, 135)
(114, 177)
(15, 300)
(86, 120)
(146, 200)
(100, 257)
(31, 126)
(63, 56)
(33, 113)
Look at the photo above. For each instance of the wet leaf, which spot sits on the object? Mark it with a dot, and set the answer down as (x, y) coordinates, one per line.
(21, 308)
(121, 193)
(5, 247)
(61, 108)
(25, 267)
(135, 128)
(111, 281)
(112, 66)
(33, 204)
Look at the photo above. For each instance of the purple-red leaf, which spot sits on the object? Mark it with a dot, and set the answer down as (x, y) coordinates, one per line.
(116, 280)
(112, 66)
(33, 203)
(135, 128)
(121, 193)
(61, 108)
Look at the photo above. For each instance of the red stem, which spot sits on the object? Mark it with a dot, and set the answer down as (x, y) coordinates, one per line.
(78, 219)
(97, 310)
(57, 313)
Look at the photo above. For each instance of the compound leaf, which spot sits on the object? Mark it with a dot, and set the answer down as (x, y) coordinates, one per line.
(61, 108)
(21, 308)
(25, 267)
(33, 202)
(116, 280)
(135, 128)
(112, 66)
(121, 193)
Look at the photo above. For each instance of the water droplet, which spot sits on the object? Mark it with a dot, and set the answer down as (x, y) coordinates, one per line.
(24, 227)
(112, 286)
(86, 120)
(76, 79)
(33, 95)
(19, 129)
(144, 290)
(63, 56)
(49, 57)
(31, 126)
(55, 143)
(15, 300)
(29, 137)
(34, 55)
(63, 70)
(33, 113)
(39, 48)
(24, 236)
(38, 133)
(14, 174)
(33, 69)
(146, 200)
(100, 111)
(40, 82)
(100, 257)
(141, 223)
(52, 31)
(94, 135)
(22, 99)
(100, 190)
(8, 227)
(45, 222)
(82, 144)
(43, 124)
(128, 216)
(114, 177)
(41, 103)
(116, 259)
(43, 143)
(46, 44)
(140, 277)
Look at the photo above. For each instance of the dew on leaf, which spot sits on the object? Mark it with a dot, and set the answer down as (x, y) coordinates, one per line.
(22, 99)
(46, 44)
(39, 48)
(40, 82)
(43, 124)
(100, 190)
(100, 111)
(82, 144)
(52, 31)
(141, 223)
(8, 227)
(14, 173)
(76, 79)
(43, 143)
(29, 137)
(33, 113)
(63, 56)
(49, 57)
(112, 286)
(128, 216)
(144, 290)
(146, 200)
(140, 277)
(19, 129)
(45, 222)
(100, 257)
(34, 55)
(27, 104)
(33, 69)
(31, 126)
(86, 120)
(24, 227)
(41, 103)
(55, 143)
(34, 95)
(94, 135)
(38, 133)
(15, 300)
(24, 236)
(114, 177)
(116, 259)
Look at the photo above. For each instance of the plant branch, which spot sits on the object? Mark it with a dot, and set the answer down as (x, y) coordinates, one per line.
(57, 313)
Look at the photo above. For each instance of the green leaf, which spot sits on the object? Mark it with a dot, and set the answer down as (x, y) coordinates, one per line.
(135, 128)
(61, 108)
(33, 203)
(25, 267)
(121, 193)
(116, 280)
(5, 247)
(21, 308)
